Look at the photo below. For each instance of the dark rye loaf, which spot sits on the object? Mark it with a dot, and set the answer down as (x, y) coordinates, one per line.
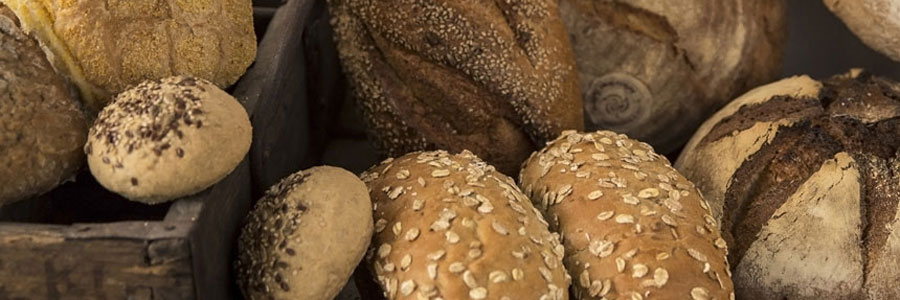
(493, 77)
(803, 176)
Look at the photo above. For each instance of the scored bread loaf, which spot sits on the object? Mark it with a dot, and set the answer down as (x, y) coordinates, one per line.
(451, 227)
(632, 226)
(493, 77)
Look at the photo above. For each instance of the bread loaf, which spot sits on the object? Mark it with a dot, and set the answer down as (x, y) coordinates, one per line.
(42, 128)
(875, 22)
(451, 227)
(305, 236)
(804, 177)
(493, 77)
(656, 69)
(107, 46)
(632, 226)
(168, 138)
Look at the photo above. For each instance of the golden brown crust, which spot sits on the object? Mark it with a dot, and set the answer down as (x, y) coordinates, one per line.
(632, 226)
(451, 227)
(107, 46)
(42, 127)
(305, 237)
(168, 138)
(494, 77)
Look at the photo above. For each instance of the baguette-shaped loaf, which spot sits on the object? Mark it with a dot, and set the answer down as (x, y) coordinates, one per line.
(632, 226)
(495, 77)
(451, 227)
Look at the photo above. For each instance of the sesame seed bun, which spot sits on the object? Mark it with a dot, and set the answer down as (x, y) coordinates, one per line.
(168, 138)
(305, 237)
(42, 127)
(451, 227)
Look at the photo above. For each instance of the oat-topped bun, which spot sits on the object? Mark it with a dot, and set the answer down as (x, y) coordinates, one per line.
(167, 138)
(305, 237)
(41, 127)
(451, 227)
(106, 46)
(634, 228)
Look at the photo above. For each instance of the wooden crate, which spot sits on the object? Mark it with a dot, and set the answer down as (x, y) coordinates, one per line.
(82, 242)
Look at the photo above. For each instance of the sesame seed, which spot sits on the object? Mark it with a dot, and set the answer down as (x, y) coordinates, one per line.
(384, 250)
(517, 274)
(397, 228)
(456, 267)
(437, 255)
(648, 193)
(432, 270)
(405, 262)
(696, 255)
(624, 219)
(699, 293)
(606, 215)
(497, 276)
(620, 264)
(629, 199)
(469, 280)
(499, 228)
(595, 195)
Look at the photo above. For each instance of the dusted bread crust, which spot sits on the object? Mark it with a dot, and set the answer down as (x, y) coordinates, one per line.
(804, 177)
(633, 227)
(42, 128)
(105, 46)
(875, 22)
(168, 138)
(448, 226)
(492, 77)
(305, 237)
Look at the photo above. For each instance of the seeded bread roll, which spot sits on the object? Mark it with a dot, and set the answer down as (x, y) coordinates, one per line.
(168, 138)
(451, 227)
(104, 47)
(42, 128)
(632, 226)
(805, 176)
(305, 237)
(875, 22)
(493, 77)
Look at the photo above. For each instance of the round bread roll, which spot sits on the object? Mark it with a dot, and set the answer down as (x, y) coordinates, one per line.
(805, 178)
(42, 128)
(632, 226)
(875, 22)
(106, 46)
(656, 69)
(305, 237)
(451, 227)
(168, 138)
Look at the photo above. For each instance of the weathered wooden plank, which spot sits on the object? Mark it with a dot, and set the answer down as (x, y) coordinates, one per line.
(36, 266)
(274, 93)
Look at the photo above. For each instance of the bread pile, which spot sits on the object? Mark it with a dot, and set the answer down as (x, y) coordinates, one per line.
(493, 77)
(803, 176)
(632, 226)
(42, 127)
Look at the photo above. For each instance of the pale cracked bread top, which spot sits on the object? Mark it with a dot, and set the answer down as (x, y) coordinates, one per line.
(804, 176)
(167, 138)
(633, 227)
(493, 77)
(105, 46)
(42, 127)
(451, 227)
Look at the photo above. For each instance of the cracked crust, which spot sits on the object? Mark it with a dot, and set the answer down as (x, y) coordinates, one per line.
(654, 70)
(817, 161)
(493, 77)
(106, 46)
(42, 127)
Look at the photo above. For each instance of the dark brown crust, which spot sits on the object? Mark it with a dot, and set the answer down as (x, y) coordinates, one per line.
(779, 107)
(496, 78)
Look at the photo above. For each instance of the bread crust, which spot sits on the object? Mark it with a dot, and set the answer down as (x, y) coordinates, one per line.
(451, 227)
(493, 77)
(633, 227)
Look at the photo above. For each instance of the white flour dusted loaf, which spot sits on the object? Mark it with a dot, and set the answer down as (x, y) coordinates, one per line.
(451, 227)
(632, 226)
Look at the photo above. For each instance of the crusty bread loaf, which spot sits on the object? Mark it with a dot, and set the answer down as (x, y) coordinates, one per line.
(42, 127)
(804, 178)
(875, 22)
(493, 77)
(632, 226)
(304, 238)
(106, 46)
(167, 138)
(654, 70)
(451, 227)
